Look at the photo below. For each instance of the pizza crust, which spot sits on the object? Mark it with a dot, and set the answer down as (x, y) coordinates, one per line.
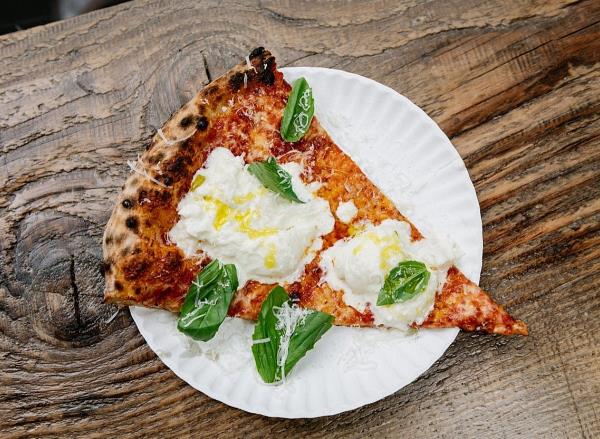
(160, 179)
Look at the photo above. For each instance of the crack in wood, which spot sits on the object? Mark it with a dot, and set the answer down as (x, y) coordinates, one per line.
(206, 70)
(75, 291)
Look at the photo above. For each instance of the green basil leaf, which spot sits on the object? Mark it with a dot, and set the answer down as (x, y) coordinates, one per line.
(270, 338)
(404, 282)
(307, 333)
(207, 301)
(265, 353)
(274, 178)
(298, 112)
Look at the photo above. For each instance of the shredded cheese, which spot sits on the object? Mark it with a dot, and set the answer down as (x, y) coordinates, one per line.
(190, 318)
(111, 318)
(288, 318)
(170, 142)
(134, 167)
(261, 341)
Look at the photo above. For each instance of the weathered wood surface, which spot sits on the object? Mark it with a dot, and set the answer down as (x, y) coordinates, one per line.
(514, 84)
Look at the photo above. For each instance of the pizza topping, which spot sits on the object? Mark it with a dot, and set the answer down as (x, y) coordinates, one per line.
(207, 301)
(298, 111)
(171, 142)
(404, 282)
(261, 340)
(274, 178)
(141, 171)
(358, 266)
(283, 334)
(229, 215)
(346, 211)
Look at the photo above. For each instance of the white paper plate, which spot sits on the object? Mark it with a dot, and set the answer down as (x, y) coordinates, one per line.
(406, 154)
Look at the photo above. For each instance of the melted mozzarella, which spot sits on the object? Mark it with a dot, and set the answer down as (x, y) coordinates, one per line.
(346, 211)
(231, 216)
(358, 266)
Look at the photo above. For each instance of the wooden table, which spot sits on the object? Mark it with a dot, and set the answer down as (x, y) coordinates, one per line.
(514, 84)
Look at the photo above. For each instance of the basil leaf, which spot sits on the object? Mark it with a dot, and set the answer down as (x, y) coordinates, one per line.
(274, 178)
(307, 333)
(404, 282)
(272, 341)
(207, 301)
(265, 354)
(298, 111)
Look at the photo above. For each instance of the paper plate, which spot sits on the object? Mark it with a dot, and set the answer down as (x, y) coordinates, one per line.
(406, 154)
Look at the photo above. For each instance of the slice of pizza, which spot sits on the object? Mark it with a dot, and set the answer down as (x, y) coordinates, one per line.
(204, 189)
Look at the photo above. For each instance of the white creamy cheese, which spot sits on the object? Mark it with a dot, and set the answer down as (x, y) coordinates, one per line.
(230, 215)
(358, 266)
(346, 211)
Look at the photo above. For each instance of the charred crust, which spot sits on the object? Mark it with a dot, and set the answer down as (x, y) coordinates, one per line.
(118, 286)
(178, 167)
(154, 197)
(142, 194)
(156, 158)
(131, 223)
(105, 267)
(266, 74)
(259, 51)
(126, 203)
(138, 291)
(108, 239)
(267, 77)
(135, 269)
(186, 121)
(167, 181)
(184, 145)
(212, 89)
(202, 123)
(236, 80)
(165, 196)
(173, 261)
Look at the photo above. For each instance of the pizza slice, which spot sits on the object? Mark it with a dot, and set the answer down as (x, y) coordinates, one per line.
(202, 190)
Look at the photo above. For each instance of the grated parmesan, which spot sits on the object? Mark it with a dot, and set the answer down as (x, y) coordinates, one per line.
(111, 318)
(249, 64)
(134, 167)
(187, 321)
(288, 318)
(170, 142)
(261, 341)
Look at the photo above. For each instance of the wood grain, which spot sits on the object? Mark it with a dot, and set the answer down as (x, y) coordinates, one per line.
(514, 84)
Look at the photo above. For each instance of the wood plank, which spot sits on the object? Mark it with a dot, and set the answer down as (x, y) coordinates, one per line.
(514, 84)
